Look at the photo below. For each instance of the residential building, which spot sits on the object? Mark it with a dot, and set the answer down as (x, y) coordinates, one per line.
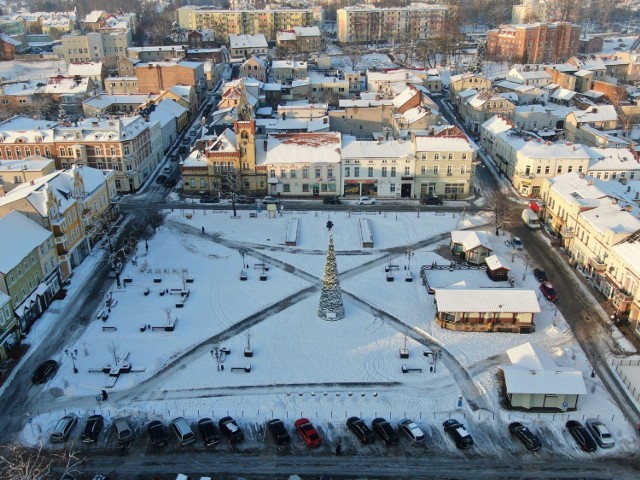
(444, 164)
(529, 74)
(157, 53)
(539, 119)
(368, 24)
(585, 126)
(100, 20)
(624, 280)
(254, 67)
(464, 82)
(244, 46)
(17, 172)
(247, 22)
(300, 39)
(590, 68)
(9, 333)
(103, 47)
(362, 118)
(382, 82)
(121, 85)
(377, 168)
(305, 164)
(534, 42)
(107, 104)
(286, 71)
(473, 246)
(422, 119)
(29, 272)
(617, 164)
(156, 77)
(94, 70)
(481, 106)
(534, 382)
(328, 89)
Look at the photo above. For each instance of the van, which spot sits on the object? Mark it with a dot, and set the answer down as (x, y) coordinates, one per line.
(183, 431)
(530, 219)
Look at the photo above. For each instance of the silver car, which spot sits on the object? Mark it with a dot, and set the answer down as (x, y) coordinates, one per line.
(124, 434)
(600, 433)
(63, 428)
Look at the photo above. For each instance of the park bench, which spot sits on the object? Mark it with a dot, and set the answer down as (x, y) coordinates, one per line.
(291, 239)
(406, 369)
(245, 369)
(109, 329)
(366, 233)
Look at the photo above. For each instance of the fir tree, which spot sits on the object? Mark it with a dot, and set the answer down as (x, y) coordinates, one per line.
(331, 306)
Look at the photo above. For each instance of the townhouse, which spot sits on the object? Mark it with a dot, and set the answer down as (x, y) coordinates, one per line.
(587, 126)
(479, 107)
(300, 39)
(16, 172)
(623, 280)
(9, 334)
(29, 274)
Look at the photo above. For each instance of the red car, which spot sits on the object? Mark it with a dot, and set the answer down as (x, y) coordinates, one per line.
(548, 291)
(308, 433)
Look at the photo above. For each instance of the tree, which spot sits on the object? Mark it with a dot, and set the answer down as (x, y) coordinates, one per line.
(331, 306)
(20, 463)
(232, 183)
(500, 211)
(354, 56)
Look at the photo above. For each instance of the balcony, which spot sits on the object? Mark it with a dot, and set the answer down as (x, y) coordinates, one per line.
(598, 264)
(566, 232)
(525, 174)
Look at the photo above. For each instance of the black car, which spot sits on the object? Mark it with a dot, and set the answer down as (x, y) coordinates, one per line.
(92, 429)
(208, 432)
(158, 433)
(581, 435)
(182, 149)
(45, 371)
(160, 179)
(278, 432)
(540, 275)
(430, 200)
(170, 183)
(209, 200)
(530, 441)
(458, 433)
(331, 200)
(385, 430)
(230, 428)
(245, 200)
(360, 430)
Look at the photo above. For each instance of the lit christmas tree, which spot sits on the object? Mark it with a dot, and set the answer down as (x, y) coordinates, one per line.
(331, 306)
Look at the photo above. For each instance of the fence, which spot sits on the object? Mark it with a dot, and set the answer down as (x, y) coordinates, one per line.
(632, 384)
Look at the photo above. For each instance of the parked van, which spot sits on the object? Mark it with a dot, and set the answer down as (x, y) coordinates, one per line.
(182, 431)
(530, 219)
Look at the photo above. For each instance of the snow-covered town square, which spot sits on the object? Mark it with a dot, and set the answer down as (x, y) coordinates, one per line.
(217, 316)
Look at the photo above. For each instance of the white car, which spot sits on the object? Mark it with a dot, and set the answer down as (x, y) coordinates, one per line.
(517, 243)
(600, 433)
(412, 431)
(366, 201)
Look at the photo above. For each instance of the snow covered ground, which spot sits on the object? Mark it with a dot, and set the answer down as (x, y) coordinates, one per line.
(303, 366)
(15, 70)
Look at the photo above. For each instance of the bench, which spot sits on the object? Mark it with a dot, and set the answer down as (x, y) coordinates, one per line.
(253, 215)
(389, 268)
(406, 369)
(291, 239)
(109, 329)
(366, 234)
(243, 275)
(157, 280)
(127, 280)
(245, 369)
(167, 328)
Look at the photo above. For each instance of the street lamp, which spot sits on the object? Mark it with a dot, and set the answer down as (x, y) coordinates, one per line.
(243, 251)
(73, 355)
(435, 354)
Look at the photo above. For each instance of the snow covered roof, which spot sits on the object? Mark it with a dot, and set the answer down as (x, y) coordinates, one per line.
(407, 94)
(538, 149)
(301, 148)
(344, 103)
(470, 239)
(585, 190)
(563, 94)
(248, 41)
(353, 148)
(629, 253)
(286, 35)
(494, 262)
(611, 215)
(91, 69)
(497, 124)
(254, 59)
(533, 371)
(34, 163)
(104, 100)
(443, 143)
(492, 300)
(601, 113)
(612, 159)
(19, 235)
(288, 64)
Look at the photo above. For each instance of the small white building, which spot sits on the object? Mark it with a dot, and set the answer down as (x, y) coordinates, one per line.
(533, 381)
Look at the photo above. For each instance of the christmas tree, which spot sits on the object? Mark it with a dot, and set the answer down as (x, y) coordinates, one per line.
(331, 306)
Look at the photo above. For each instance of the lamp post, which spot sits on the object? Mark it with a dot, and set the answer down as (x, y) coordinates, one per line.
(73, 355)
(243, 251)
(435, 354)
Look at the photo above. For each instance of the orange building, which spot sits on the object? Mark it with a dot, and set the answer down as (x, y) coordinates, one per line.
(534, 43)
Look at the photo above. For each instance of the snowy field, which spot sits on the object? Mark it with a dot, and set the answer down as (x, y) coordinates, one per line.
(303, 366)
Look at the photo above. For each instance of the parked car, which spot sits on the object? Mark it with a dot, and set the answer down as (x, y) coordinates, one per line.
(45, 371)
(160, 179)
(63, 428)
(170, 183)
(92, 429)
(182, 431)
(231, 429)
(581, 436)
(278, 432)
(540, 275)
(522, 433)
(458, 433)
(182, 150)
(548, 291)
(124, 434)
(412, 431)
(209, 200)
(308, 433)
(331, 200)
(158, 433)
(270, 200)
(385, 430)
(600, 433)
(366, 201)
(208, 432)
(360, 430)
(245, 199)
(517, 243)
(431, 200)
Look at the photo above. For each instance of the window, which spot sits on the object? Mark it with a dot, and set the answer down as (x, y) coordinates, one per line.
(305, 173)
(559, 169)
(384, 171)
(356, 172)
(330, 172)
(305, 187)
(392, 188)
(436, 156)
(463, 169)
(423, 170)
(286, 188)
(272, 173)
(318, 172)
(539, 169)
(292, 174)
(283, 173)
(113, 151)
(407, 170)
(347, 171)
(203, 183)
(393, 171)
(436, 169)
(450, 156)
(547, 169)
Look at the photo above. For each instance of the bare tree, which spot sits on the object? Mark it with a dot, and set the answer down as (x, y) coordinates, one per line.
(20, 463)
(232, 183)
(354, 56)
(113, 350)
(500, 211)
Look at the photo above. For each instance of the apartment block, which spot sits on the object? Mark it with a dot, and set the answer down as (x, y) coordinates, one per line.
(96, 47)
